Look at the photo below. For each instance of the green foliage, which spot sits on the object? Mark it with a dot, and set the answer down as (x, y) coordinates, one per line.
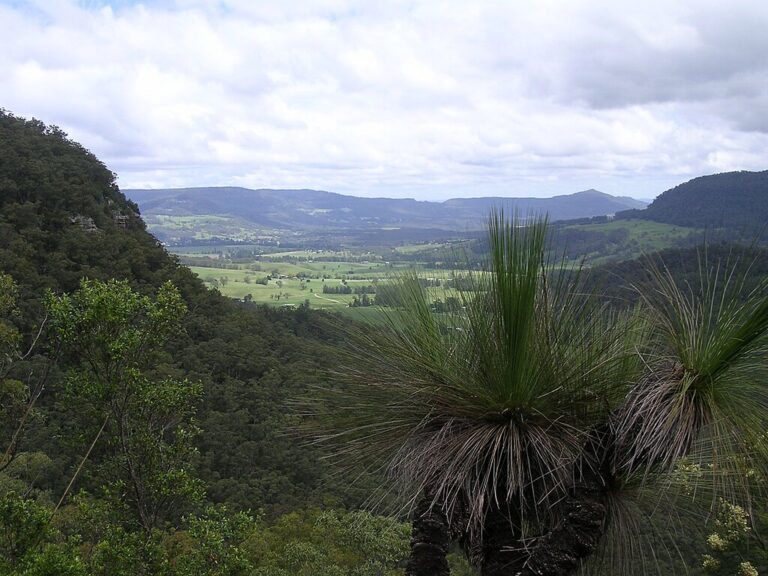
(621, 239)
(208, 544)
(493, 400)
(623, 283)
(53, 560)
(213, 543)
(12, 392)
(17, 398)
(113, 333)
(531, 386)
(107, 545)
(9, 336)
(90, 539)
(726, 543)
(330, 542)
(111, 328)
(36, 161)
(389, 295)
(29, 545)
(129, 357)
(24, 524)
(248, 360)
(548, 366)
(703, 395)
(460, 566)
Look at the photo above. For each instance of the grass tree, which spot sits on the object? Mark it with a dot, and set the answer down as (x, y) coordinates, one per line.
(518, 423)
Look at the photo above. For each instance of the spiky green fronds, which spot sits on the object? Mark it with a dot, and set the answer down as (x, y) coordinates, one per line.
(492, 403)
(704, 394)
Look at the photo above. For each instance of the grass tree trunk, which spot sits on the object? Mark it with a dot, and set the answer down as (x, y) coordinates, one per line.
(574, 538)
(558, 553)
(562, 550)
(429, 542)
(501, 552)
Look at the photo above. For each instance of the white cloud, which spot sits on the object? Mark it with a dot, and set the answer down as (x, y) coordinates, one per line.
(432, 98)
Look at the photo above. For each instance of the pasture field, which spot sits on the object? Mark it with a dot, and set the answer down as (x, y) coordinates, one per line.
(212, 250)
(274, 277)
(344, 270)
(654, 235)
(628, 239)
(429, 247)
(276, 282)
(311, 255)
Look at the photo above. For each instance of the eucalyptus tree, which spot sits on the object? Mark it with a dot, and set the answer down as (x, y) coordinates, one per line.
(520, 423)
(142, 421)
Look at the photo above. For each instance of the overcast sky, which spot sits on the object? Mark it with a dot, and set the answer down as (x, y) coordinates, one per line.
(429, 99)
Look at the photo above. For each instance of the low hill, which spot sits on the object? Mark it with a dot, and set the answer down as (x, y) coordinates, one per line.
(173, 214)
(565, 207)
(732, 200)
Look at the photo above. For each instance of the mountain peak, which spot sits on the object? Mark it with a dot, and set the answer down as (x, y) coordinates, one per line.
(591, 192)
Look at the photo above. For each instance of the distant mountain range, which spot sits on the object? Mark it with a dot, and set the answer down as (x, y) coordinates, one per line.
(731, 201)
(299, 210)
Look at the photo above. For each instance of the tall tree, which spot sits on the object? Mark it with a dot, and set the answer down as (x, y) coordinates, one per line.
(145, 422)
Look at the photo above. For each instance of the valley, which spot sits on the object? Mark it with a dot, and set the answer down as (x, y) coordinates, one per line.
(344, 281)
(224, 403)
(284, 247)
(313, 277)
(343, 288)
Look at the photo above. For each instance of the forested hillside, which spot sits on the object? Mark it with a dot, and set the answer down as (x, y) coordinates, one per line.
(736, 200)
(63, 219)
(204, 409)
(622, 283)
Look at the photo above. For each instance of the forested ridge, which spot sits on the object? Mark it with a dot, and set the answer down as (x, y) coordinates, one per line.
(151, 426)
(735, 200)
(248, 359)
(63, 219)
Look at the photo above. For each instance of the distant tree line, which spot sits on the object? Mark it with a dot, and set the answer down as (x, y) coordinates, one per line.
(347, 289)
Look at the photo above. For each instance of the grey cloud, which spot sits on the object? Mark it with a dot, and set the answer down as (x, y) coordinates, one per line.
(399, 97)
(724, 61)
